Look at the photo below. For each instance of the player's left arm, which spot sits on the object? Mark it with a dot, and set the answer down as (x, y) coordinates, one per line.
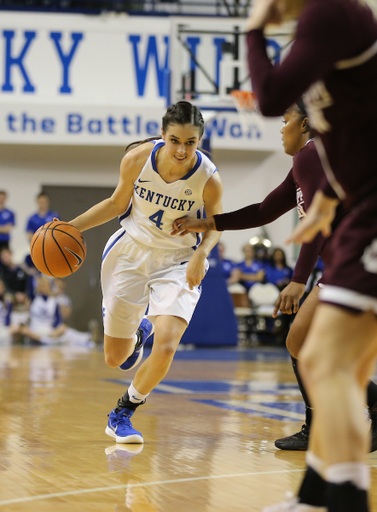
(312, 56)
(212, 196)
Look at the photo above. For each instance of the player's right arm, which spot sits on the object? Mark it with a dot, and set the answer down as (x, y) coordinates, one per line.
(312, 56)
(130, 168)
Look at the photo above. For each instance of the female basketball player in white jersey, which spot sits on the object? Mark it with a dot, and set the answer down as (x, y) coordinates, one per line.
(143, 264)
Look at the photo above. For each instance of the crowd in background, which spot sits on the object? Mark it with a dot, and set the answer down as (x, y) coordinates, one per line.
(33, 308)
(260, 265)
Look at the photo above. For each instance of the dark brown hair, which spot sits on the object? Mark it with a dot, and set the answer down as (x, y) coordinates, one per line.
(180, 113)
(300, 108)
(284, 257)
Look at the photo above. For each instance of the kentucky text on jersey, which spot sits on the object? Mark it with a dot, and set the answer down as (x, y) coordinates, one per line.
(183, 205)
(155, 204)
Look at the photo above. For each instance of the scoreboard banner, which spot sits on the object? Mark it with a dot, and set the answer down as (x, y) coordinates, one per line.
(103, 80)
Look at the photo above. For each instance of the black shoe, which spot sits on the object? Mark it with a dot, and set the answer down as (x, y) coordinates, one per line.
(298, 441)
(373, 427)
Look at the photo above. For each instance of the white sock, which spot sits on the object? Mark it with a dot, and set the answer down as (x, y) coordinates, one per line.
(357, 473)
(315, 462)
(134, 394)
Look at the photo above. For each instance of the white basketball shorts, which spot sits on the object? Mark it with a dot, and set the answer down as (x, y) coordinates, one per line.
(134, 276)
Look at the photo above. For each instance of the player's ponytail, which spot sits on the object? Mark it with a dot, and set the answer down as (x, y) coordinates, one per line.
(181, 113)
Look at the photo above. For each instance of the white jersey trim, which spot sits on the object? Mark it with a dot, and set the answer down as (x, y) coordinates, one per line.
(359, 60)
(160, 144)
(350, 298)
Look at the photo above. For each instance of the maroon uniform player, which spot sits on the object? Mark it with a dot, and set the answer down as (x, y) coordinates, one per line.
(298, 190)
(334, 62)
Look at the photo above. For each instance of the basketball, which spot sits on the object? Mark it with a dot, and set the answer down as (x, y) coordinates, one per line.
(58, 249)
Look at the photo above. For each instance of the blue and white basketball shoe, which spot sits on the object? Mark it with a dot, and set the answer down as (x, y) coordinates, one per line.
(120, 427)
(143, 332)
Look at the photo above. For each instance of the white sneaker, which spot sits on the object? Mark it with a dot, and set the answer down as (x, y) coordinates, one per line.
(291, 505)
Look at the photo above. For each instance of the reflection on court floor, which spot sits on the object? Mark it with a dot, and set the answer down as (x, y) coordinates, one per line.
(209, 432)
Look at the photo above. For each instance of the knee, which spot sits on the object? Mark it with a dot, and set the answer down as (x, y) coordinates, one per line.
(112, 361)
(292, 345)
(165, 351)
(295, 341)
(113, 358)
(317, 366)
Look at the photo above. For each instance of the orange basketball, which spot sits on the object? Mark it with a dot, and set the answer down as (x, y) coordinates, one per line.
(58, 249)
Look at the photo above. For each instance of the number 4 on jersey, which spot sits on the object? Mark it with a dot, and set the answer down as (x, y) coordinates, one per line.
(156, 218)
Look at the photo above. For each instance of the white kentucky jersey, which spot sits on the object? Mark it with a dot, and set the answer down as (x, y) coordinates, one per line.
(156, 204)
(44, 313)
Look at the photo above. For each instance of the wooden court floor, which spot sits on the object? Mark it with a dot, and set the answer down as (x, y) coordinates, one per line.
(208, 430)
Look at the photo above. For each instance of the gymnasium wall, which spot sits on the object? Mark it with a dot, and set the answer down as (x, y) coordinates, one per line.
(75, 89)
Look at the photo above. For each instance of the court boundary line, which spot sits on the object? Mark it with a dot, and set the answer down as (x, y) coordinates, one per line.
(142, 484)
(147, 484)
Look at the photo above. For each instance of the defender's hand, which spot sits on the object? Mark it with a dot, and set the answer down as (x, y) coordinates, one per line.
(186, 225)
(264, 12)
(289, 299)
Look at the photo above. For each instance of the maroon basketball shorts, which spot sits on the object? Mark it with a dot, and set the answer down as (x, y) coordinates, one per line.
(351, 276)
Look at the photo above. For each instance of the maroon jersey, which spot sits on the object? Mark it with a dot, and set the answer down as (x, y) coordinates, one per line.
(297, 189)
(334, 62)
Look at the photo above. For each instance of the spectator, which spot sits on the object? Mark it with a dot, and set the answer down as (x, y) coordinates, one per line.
(278, 272)
(28, 266)
(65, 303)
(5, 313)
(46, 324)
(43, 215)
(20, 309)
(7, 221)
(14, 277)
(229, 267)
(251, 270)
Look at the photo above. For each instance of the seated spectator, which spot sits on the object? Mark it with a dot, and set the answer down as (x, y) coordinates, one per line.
(278, 272)
(229, 268)
(251, 270)
(43, 215)
(5, 313)
(28, 266)
(20, 309)
(7, 221)
(14, 277)
(45, 321)
(65, 303)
